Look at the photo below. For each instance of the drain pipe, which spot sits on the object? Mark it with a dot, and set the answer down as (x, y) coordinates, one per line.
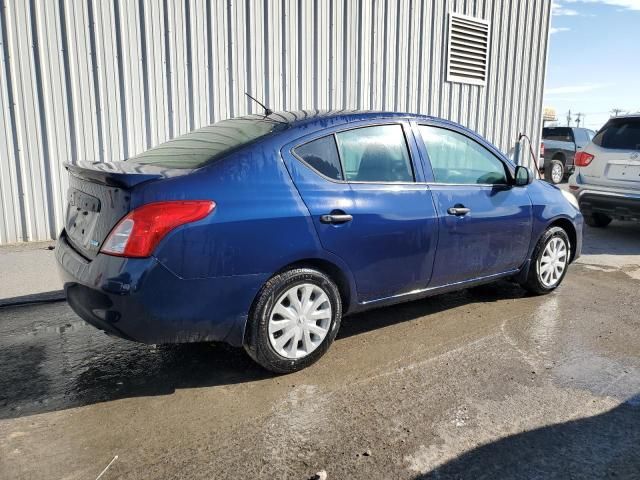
(516, 150)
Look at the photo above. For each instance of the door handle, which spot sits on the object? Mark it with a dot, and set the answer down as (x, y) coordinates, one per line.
(458, 211)
(336, 218)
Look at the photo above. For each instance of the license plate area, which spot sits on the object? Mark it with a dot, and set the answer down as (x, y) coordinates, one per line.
(625, 172)
(82, 216)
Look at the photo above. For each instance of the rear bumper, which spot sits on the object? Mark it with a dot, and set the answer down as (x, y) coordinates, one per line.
(141, 300)
(620, 205)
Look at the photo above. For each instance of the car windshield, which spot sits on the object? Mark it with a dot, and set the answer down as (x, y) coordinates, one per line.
(620, 133)
(202, 146)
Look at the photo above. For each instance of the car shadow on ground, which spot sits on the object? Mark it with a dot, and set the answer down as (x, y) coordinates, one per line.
(619, 238)
(602, 446)
(72, 364)
(402, 312)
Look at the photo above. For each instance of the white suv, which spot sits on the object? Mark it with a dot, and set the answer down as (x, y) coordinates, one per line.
(606, 180)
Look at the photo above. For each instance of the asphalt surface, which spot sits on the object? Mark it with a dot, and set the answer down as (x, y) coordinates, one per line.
(484, 383)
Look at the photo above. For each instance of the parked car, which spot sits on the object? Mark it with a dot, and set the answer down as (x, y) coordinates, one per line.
(607, 177)
(559, 147)
(264, 232)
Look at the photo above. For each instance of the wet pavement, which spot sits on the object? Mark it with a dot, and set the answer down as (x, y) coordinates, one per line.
(483, 383)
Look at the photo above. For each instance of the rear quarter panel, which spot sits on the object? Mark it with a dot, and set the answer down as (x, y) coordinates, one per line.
(259, 224)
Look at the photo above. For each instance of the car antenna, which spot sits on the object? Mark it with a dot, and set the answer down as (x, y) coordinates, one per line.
(267, 110)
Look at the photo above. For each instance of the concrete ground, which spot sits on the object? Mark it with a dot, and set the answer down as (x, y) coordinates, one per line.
(485, 383)
(27, 270)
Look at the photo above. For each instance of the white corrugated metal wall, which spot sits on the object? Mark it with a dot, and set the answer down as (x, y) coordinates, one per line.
(106, 79)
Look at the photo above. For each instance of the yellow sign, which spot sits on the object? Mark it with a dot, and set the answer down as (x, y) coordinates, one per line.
(549, 114)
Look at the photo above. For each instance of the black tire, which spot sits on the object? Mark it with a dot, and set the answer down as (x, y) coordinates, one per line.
(257, 343)
(549, 175)
(533, 283)
(597, 220)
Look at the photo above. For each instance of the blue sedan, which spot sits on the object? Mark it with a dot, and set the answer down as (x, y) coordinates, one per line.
(264, 231)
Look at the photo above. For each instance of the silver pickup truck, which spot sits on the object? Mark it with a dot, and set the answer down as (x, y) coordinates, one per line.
(560, 145)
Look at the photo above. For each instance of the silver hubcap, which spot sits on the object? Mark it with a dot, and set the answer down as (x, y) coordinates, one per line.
(299, 321)
(556, 173)
(553, 262)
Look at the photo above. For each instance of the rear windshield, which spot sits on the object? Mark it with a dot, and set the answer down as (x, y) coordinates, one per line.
(197, 148)
(561, 134)
(620, 133)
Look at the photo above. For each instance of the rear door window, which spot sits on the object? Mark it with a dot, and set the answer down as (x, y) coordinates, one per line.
(620, 134)
(322, 156)
(375, 154)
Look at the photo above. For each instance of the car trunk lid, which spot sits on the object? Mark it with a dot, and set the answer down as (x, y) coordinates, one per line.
(616, 168)
(616, 151)
(99, 196)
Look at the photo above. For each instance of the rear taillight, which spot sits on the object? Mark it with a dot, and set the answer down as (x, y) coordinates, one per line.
(138, 234)
(542, 149)
(582, 159)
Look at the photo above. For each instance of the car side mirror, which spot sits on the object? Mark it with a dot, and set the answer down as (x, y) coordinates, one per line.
(523, 177)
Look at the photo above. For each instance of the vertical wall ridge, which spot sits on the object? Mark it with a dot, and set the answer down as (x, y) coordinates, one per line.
(122, 97)
(67, 83)
(45, 160)
(15, 177)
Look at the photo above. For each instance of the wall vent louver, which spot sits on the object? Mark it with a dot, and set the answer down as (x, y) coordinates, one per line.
(468, 50)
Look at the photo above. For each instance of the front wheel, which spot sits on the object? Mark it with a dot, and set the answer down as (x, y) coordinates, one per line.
(294, 320)
(549, 262)
(554, 173)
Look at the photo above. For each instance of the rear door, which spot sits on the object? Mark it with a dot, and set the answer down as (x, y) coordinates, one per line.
(369, 204)
(485, 223)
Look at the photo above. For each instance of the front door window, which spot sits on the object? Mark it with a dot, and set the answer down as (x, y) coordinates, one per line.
(457, 159)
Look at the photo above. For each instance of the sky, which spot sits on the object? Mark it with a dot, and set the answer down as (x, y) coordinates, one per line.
(594, 59)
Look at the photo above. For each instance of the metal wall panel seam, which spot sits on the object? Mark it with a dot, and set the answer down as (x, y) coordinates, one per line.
(12, 183)
(21, 103)
(50, 92)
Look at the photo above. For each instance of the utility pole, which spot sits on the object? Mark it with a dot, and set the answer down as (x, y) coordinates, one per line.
(615, 112)
(569, 118)
(578, 117)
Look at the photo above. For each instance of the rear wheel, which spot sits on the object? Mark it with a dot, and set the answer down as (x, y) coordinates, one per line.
(294, 320)
(554, 173)
(597, 220)
(549, 262)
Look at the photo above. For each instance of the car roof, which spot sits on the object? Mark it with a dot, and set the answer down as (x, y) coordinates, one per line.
(295, 118)
(325, 118)
(627, 115)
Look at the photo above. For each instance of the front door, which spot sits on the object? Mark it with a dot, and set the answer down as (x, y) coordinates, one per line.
(361, 191)
(485, 222)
